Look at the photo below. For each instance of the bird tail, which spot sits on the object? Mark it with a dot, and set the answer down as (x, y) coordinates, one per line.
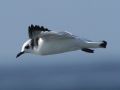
(103, 44)
(100, 44)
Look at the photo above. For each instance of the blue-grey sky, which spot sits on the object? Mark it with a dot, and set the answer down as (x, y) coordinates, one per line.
(91, 19)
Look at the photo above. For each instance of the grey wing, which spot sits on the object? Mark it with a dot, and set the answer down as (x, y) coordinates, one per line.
(35, 31)
(57, 35)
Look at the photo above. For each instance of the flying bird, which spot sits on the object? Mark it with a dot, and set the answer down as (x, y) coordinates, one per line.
(43, 41)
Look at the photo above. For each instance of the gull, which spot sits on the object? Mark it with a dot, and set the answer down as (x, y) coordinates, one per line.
(43, 41)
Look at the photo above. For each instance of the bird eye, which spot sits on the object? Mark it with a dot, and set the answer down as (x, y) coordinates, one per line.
(27, 47)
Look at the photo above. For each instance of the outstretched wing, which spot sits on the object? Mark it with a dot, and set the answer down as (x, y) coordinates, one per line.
(35, 31)
(56, 35)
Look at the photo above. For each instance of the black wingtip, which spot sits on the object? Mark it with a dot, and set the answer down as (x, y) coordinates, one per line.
(37, 27)
(103, 44)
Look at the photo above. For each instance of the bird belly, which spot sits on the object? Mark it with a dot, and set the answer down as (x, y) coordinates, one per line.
(58, 46)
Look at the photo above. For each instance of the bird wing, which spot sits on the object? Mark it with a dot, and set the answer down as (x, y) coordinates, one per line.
(35, 31)
(41, 32)
(56, 35)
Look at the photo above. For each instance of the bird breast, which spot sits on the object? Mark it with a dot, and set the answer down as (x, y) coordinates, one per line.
(57, 46)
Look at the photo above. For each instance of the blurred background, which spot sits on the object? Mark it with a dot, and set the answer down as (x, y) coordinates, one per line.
(92, 19)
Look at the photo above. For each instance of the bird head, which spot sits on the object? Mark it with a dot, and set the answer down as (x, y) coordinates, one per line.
(26, 48)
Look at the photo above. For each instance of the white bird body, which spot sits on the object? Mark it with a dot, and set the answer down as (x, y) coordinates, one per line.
(61, 45)
(57, 46)
(48, 43)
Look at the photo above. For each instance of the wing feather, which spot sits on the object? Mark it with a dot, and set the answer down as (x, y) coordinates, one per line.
(35, 31)
(57, 35)
(46, 34)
